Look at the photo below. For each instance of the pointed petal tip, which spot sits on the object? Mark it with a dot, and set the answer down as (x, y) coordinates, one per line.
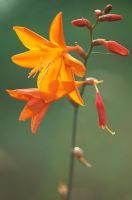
(16, 28)
(12, 58)
(21, 118)
(9, 92)
(60, 13)
(33, 131)
(81, 102)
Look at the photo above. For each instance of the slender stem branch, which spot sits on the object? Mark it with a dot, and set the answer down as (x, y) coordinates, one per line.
(74, 128)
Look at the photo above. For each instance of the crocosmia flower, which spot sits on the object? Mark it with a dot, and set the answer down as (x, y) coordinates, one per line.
(35, 108)
(50, 58)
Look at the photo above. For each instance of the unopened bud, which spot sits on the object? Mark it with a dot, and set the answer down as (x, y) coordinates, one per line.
(112, 46)
(98, 13)
(82, 23)
(63, 190)
(79, 154)
(107, 9)
(110, 18)
(116, 48)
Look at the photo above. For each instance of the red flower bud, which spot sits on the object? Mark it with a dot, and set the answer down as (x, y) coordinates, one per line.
(98, 13)
(116, 48)
(82, 23)
(102, 120)
(101, 111)
(107, 9)
(110, 18)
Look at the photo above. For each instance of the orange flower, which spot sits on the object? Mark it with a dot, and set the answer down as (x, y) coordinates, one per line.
(51, 59)
(35, 108)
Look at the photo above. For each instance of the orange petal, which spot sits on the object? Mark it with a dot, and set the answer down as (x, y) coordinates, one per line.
(62, 92)
(32, 59)
(33, 107)
(75, 96)
(25, 114)
(32, 40)
(56, 31)
(77, 66)
(24, 94)
(67, 78)
(48, 80)
(36, 119)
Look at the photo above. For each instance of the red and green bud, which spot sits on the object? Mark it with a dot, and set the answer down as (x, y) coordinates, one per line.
(116, 48)
(107, 9)
(112, 46)
(110, 18)
(82, 23)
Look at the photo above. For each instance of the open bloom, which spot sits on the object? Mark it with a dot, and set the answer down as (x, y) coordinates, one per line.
(36, 107)
(51, 59)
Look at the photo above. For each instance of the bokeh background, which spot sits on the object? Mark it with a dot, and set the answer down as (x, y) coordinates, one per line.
(32, 166)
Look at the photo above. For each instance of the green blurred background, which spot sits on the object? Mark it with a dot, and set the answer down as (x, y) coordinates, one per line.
(32, 166)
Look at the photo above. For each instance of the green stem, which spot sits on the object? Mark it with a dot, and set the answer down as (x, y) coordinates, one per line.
(74, 128)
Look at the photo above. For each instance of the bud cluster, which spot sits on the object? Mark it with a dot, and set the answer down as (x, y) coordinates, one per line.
(104, 15)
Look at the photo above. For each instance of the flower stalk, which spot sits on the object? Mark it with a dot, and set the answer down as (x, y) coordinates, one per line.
(75, 119)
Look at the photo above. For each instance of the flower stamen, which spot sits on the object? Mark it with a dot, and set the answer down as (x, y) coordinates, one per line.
(37, 69)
